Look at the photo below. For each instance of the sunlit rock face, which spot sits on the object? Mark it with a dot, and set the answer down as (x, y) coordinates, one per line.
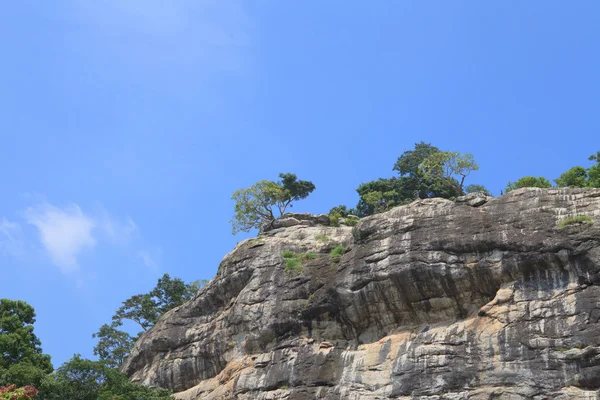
(482, 298)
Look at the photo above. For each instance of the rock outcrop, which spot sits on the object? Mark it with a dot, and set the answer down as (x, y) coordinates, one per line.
(482, 298)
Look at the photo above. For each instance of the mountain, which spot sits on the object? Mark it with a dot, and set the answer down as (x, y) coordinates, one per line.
(478, 298)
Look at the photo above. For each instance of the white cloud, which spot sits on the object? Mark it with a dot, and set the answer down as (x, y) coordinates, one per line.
(11, 238)
(148, 260)
(118, 232)
(64, 233)
(67, 232)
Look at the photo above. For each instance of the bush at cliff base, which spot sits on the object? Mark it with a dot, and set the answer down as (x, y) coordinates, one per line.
(12, 392)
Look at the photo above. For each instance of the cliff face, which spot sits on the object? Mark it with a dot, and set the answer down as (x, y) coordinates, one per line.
(483, 298)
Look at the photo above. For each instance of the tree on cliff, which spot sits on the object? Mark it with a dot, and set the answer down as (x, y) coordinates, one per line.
(449, 167)
(256, 206)
(580, 176)
(21, 360)
(114, 344)
(528, 181)
(425, 172)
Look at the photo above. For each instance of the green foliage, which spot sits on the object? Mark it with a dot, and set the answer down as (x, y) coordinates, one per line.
(339, 212)
(81, 379)
(337, 252)
(309, 256)
(293, 265)
(323, 238)
(145, 309)
(350, 221)
(580, 177)
(528, 181)
(474, 188)
(113, 345)
(12, 392)
(385, 193)
(254, 206)
(292, 261)
(334, 219)
(450, 167)
(594, 171)
(575, 177)
(288, 254)
(21, 359)
(575, 220)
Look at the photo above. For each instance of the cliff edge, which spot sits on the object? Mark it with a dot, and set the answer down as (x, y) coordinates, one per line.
(482, 298)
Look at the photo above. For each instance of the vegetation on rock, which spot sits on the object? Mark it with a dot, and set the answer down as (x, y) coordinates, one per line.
(256, 206)
(575, 220)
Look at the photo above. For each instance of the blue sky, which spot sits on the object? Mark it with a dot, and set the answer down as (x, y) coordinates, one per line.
(125, 126)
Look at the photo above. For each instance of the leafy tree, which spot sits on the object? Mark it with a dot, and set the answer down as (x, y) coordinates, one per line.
(473, 188)
(113, 345)
(81, 379)
(528, 181)
(145, 309)
(381, 195)
(21, 360)
(575, 177)
(450, 167)
(255, 206)
(343, 211)
(414, 182)
(338, 212)
(594, 171)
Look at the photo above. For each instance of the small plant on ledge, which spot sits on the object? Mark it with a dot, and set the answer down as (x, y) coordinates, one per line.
(580, 219)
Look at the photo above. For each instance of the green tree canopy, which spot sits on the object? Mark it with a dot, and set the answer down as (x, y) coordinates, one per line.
(415, 184)
(528, 181)
(594, 171)
(382, 194)
(21, 360)
(114, 345)
(575, 177)
(81, 379)
(473, 188)
(425, 172)
(450, 167)
(256, 206)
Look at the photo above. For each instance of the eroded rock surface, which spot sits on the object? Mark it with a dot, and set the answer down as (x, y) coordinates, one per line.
(482, 298)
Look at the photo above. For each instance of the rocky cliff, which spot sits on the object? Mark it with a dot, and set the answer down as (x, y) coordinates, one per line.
(482, 298)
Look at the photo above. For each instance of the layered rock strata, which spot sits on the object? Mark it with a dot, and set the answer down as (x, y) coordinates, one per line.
(479, 298)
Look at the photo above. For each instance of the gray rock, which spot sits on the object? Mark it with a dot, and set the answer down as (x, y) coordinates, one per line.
(474, 199)
(432, 300)
(291, 219)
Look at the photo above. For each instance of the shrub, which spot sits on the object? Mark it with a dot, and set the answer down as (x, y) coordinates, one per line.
(528, 181)
(334, 219)
(309, 256)
(323, 238)
(337, 252)
(11, 392)
(293, 265)
(288, 254)
(349, 221)
(575, 220)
